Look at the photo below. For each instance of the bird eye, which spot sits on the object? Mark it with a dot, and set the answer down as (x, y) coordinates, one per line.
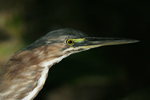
(69, 42)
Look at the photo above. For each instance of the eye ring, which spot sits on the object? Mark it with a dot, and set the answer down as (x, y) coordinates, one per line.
(69, 42)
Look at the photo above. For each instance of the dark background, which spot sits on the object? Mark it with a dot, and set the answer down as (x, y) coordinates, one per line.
(106, 73)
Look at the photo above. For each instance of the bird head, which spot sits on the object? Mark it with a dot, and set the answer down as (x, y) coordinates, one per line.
(68, 41)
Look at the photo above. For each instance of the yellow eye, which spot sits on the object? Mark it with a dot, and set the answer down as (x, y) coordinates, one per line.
(69, 42)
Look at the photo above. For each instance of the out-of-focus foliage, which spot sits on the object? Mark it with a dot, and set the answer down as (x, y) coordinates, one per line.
(107, 73)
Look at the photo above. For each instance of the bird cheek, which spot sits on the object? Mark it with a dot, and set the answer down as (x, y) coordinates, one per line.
(65, 46)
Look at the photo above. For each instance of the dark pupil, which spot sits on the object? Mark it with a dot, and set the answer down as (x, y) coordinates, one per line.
(70, 42)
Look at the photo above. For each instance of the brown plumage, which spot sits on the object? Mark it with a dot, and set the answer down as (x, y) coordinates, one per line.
(21, 73)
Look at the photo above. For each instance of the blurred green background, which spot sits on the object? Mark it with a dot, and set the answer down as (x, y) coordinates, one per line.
(106, 73)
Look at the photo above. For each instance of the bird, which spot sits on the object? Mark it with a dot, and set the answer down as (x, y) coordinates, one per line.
(25, 73)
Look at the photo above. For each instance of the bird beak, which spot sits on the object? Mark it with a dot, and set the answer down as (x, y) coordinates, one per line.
(93, 42)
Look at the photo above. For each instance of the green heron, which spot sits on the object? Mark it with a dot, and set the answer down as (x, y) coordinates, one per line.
(24, 74)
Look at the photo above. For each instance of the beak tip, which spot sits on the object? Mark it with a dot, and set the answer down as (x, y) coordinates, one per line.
(134, 41)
